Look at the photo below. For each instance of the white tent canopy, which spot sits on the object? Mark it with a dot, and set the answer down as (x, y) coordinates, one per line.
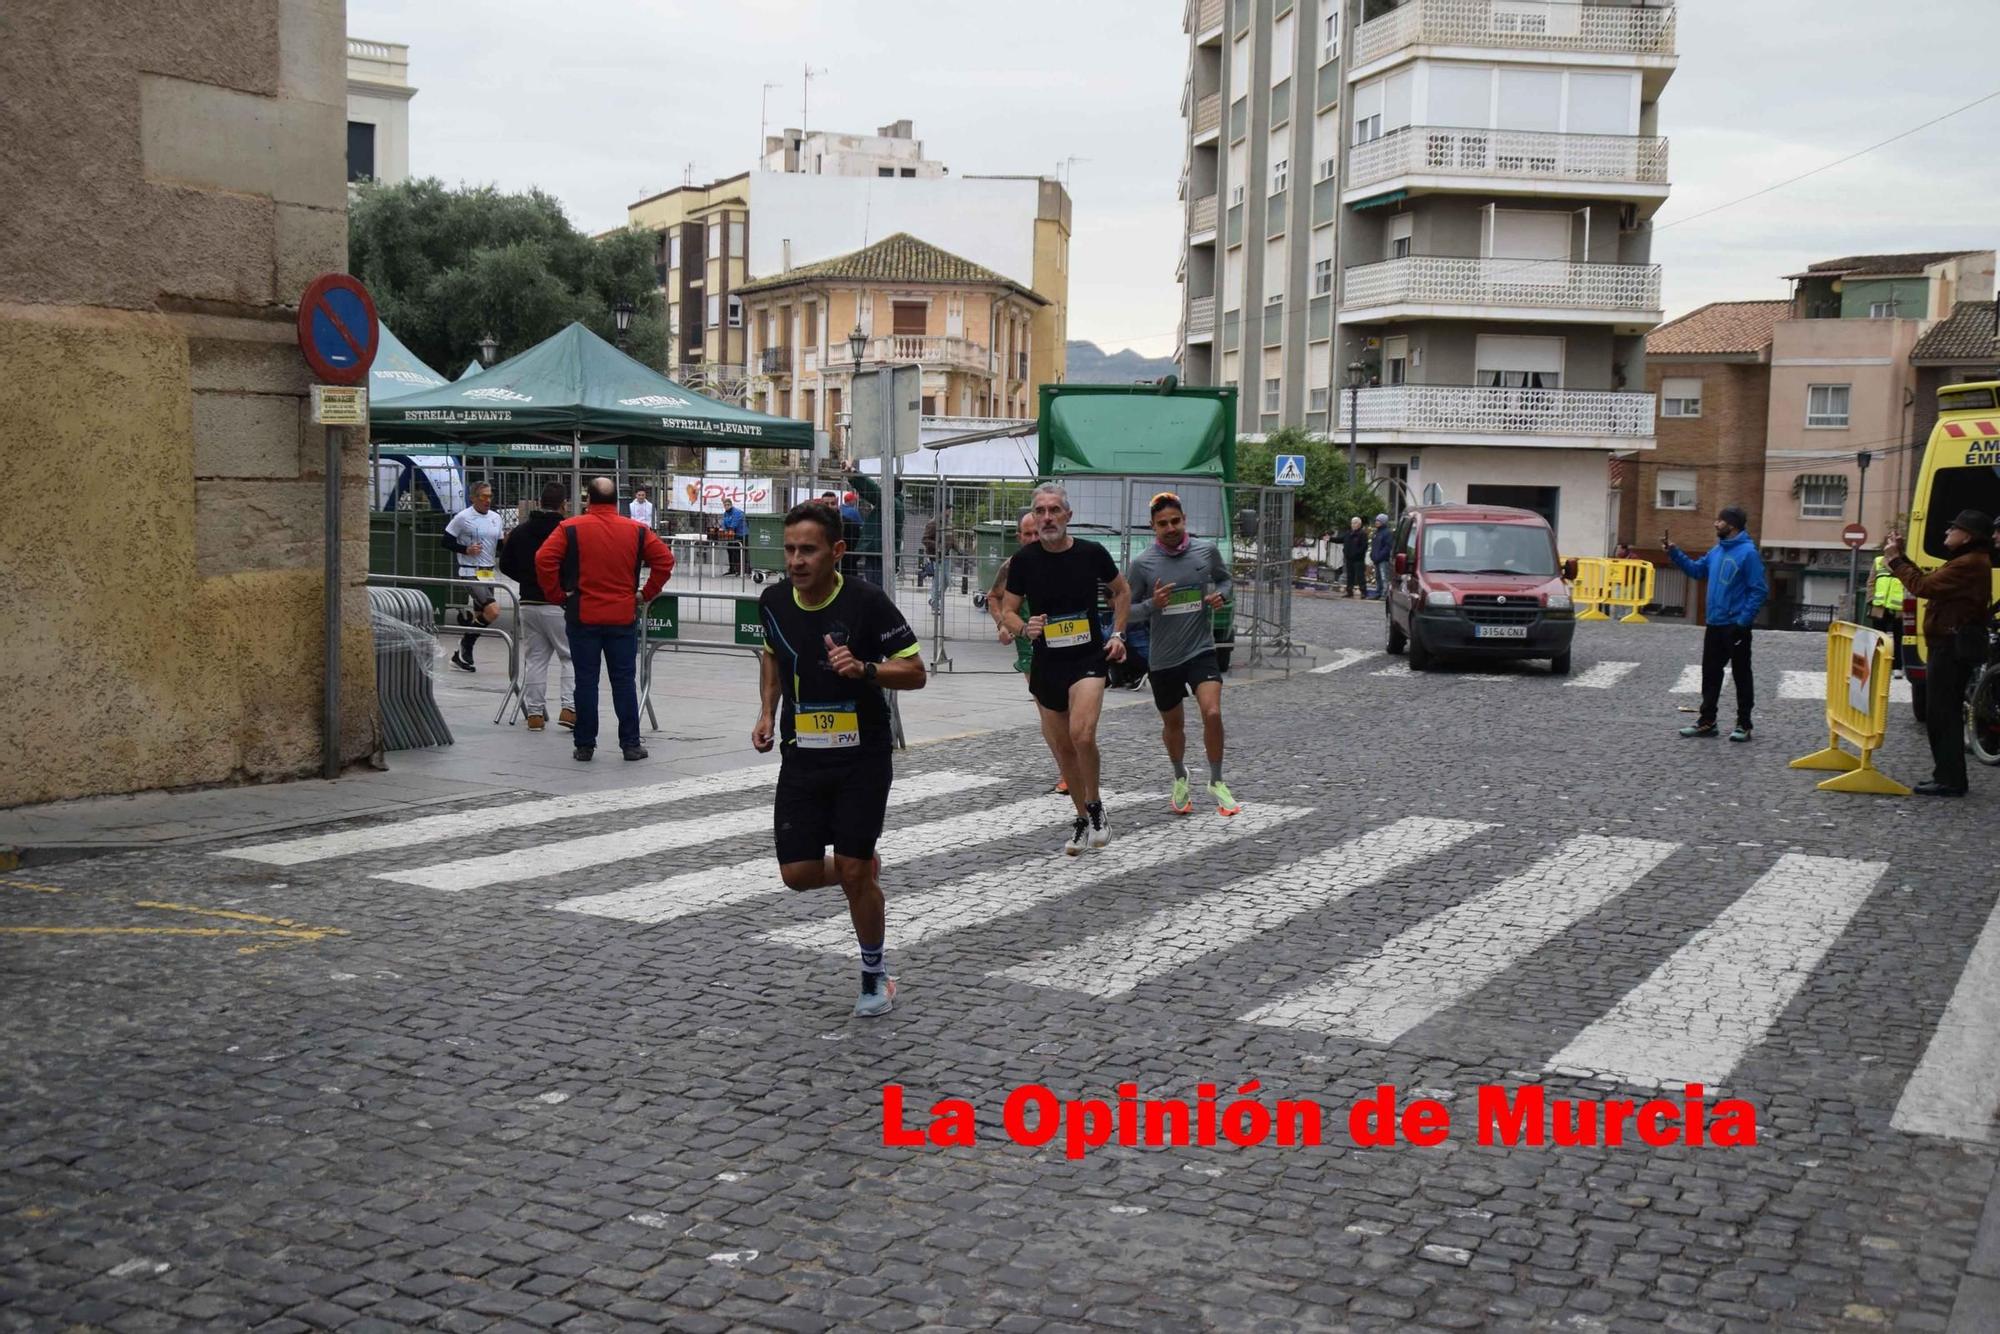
(970, 447)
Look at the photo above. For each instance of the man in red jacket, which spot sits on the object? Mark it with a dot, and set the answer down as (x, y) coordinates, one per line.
(590, 568)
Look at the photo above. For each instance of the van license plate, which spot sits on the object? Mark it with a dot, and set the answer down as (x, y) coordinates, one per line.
(1499, 632)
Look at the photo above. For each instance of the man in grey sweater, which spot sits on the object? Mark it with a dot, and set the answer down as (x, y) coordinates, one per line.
(1176, 583)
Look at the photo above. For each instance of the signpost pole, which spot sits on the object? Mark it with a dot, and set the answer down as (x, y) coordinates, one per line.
(329, 758)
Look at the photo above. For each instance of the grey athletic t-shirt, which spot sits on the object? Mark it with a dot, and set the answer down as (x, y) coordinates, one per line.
(1184, 630)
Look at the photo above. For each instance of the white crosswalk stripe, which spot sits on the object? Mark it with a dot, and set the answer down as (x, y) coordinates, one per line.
(989, 896)
(1715, 997)
(643, 840)
(1603, 675)
(1449, 673)
(1113, 963)
(1689, 682)
(484, 819)
(1812, 686)
(1438, 963)
(1343, 657)
(1955, 1090)
(726, 886)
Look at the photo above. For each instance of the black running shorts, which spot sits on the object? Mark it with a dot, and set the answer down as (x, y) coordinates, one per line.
(840, 804)
(1175, 684)
(1050, 684)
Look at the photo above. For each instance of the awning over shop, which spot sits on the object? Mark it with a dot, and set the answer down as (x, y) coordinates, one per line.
(1830, 479)
(577, 387)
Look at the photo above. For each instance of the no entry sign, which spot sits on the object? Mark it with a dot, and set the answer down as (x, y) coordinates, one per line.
(1855, 536)
(337, 328)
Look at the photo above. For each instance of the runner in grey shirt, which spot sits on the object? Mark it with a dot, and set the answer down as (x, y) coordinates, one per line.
(1176, 583)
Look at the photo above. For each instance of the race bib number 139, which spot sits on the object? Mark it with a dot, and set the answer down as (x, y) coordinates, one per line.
(827, 729)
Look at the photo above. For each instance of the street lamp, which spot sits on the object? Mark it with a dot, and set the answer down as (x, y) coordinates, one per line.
(857, 343)
(489, 350)
(621, 320)
(1355, 370)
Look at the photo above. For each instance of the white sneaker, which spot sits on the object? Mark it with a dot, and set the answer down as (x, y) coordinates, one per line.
(1100, 831)
(1079, 837)
(878, 993)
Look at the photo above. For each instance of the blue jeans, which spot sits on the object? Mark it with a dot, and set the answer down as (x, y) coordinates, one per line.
(618, 646)
(1383, 570)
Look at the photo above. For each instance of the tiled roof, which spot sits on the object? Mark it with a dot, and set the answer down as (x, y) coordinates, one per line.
(1966, 336)
(1912, 263)
(1721, 328)
(900, 258)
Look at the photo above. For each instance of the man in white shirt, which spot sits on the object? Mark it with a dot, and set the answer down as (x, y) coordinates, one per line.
(474, 534)
(642, 506)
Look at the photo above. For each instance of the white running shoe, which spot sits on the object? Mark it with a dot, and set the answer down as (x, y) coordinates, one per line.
(878, 993)
(1100, 830)
(1079, 837)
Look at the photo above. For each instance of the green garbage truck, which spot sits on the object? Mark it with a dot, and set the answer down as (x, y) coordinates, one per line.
(1114, 446)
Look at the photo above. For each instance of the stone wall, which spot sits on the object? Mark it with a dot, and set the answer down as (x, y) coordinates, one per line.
(177, 174)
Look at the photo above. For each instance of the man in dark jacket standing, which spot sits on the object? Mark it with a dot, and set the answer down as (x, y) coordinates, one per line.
(1379, 554)
(1736, 592)
(542, 632)
(1354, 550)
(1958, 595)
(590, 568)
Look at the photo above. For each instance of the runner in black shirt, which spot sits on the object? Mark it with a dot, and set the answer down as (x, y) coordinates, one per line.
(1060, 576)
(831, 647)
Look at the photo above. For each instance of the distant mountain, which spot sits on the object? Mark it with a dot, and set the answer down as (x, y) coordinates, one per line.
(1091, 364)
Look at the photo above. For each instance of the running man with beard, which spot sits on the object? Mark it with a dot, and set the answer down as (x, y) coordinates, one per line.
(1176, 583)
(832, 645)
(1060, 577)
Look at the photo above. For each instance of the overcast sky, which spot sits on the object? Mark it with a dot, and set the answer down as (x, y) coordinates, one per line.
(602, 103)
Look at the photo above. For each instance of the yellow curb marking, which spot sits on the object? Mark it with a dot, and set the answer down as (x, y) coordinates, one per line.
(32, 887)
(277, 931)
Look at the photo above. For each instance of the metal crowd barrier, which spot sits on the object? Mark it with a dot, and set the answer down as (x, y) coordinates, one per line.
(662, 629)
(403, 666)
(512, 699)
(1858, 670)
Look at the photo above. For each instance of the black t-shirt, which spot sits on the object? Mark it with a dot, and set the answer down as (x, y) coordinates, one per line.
(828, 718)
(1063, 586)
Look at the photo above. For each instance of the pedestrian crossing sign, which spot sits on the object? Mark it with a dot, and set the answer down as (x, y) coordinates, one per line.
(1290, 470)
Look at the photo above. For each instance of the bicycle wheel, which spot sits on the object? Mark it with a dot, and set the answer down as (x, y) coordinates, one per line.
(1982, 715)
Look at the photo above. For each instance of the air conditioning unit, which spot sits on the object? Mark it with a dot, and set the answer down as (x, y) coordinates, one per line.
(1771, 555)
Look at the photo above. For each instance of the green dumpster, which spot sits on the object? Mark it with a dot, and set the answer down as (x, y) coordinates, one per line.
(995, 541)
(767, 543)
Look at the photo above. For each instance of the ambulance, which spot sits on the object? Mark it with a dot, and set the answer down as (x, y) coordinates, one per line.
(1961, 471)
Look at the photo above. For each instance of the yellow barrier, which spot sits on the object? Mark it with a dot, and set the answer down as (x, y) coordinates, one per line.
(1601, 583)
(1591, 587)
(1858, 664)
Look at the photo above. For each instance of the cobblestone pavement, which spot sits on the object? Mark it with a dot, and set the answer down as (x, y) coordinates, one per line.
(578, 1063)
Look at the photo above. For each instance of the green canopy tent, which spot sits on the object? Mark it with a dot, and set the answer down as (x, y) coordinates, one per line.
(573, 389)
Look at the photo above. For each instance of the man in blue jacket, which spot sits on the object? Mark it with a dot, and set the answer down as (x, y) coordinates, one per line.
(737, 525)
(1379, 554)
(1736, 592)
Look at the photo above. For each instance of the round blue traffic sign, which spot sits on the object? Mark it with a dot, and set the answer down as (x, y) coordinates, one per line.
(338, 331)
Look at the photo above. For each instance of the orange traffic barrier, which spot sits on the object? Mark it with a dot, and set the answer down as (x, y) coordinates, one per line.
(1858, 670)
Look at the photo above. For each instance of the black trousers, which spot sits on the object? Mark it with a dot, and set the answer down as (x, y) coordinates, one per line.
(1890, 623)
(1357, 574)
(1944, 712)
(1726, 645)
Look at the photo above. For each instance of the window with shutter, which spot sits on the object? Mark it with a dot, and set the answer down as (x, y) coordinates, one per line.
(908, 317)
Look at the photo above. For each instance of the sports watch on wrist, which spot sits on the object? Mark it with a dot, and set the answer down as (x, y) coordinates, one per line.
(868, 671)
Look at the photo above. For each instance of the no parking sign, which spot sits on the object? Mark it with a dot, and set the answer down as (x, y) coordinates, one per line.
(338, 331)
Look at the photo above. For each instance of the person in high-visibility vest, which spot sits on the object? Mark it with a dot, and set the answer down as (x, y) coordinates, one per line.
(1885, 608)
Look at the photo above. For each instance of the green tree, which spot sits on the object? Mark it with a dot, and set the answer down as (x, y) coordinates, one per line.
(1329, 497)
(448, 266)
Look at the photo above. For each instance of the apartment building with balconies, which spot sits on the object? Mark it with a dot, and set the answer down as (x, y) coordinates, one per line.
(970, 329)
(1453, 196)
(703, 257)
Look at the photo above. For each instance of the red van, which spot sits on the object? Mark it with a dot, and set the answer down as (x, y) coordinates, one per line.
(1479, 581)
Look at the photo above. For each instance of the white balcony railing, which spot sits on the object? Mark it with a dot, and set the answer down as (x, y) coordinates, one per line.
(929, 350)
(1434, 150)
(1201, 319)
(1539, 25)
(1470, 410)
(1208, 114)
(1545, 284)
(1202, 217)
